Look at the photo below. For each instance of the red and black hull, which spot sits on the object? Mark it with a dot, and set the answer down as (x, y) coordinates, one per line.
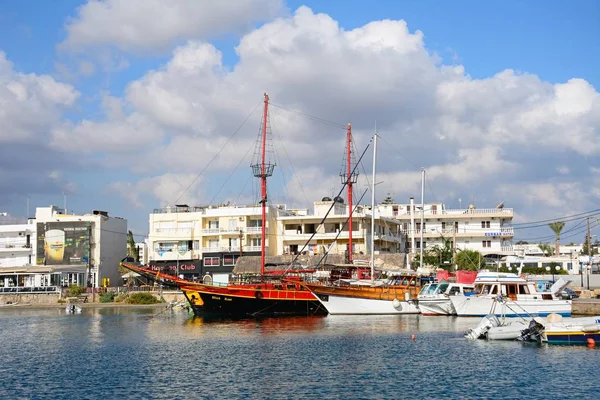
(239, 302)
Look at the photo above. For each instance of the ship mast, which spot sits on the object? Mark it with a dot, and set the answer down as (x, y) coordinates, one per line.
(349, 177)
(372, 256)
(263, 170)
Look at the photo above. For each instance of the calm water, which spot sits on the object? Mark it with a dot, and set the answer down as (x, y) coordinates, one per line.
(152, 353)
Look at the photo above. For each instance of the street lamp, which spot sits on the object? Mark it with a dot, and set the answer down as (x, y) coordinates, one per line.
(549, 268)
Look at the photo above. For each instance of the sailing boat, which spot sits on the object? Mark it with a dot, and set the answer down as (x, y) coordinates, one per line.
(392, 297)
(266, 294)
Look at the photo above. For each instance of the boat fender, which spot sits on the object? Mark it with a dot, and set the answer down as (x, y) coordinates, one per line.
(258, 294)
(397, 304)
(591, 328)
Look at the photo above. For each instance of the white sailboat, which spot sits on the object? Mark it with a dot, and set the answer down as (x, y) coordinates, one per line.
(393, 297)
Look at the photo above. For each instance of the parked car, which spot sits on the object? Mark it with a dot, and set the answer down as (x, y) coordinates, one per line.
(568, 294)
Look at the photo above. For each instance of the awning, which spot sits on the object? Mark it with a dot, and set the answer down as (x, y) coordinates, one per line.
(45, 269)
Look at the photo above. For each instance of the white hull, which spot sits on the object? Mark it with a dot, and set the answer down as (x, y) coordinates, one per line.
(511, 331)
(439, 306)
(476, 306)
(341, 305)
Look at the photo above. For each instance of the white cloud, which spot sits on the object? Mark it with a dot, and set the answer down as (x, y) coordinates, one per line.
(153, 25)
(168, 189)
(30, 104)
(475, 137)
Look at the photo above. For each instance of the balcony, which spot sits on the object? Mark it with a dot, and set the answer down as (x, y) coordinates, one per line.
(251, 230)
(173, 232)
(10, 248)
(211, 231)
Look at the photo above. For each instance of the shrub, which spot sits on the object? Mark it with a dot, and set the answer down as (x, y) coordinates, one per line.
(142, 298)
(107, 297)
(121, 298)
(75, 290)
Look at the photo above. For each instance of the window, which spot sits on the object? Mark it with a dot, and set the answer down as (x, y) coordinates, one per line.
(254, 223)
(486, 243)
(255, 242)
(211, 261)
(485, 224)
(213, 224)
(229, 260)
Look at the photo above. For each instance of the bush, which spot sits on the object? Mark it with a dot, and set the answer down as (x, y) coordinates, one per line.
(75, 290)
(121, 298)
(107, 297)
(142, 298)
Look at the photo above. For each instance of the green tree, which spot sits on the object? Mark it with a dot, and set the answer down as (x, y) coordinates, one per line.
(437, 255)
(470, 260)
(131, 247)
(557, 227)
(546, 249)
(390, 200)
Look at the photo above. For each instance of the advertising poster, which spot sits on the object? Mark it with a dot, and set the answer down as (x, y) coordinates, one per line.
(63, 243)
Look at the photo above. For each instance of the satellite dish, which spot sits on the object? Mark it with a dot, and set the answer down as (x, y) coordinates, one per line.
(501, 205)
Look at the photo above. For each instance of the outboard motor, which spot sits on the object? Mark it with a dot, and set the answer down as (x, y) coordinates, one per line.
(484, 325)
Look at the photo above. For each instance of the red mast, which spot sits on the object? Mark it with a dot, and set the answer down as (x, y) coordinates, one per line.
(349, 171)
(263, 169)
(349, 177)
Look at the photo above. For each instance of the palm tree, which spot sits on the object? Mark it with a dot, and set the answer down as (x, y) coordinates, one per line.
(546, 249)
(557, 227)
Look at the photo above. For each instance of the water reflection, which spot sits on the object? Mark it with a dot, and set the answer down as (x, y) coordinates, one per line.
(155, 353)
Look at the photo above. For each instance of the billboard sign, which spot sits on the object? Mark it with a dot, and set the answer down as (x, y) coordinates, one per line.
(63, 243)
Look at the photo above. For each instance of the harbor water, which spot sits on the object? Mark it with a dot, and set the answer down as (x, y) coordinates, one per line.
(156, 353)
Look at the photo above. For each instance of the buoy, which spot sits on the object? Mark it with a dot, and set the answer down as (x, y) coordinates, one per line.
(413, 337)
(591, 342)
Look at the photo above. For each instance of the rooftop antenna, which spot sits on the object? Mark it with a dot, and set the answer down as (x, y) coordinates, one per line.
(27, 202)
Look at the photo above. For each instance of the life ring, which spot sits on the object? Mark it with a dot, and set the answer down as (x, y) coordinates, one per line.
(258, 294)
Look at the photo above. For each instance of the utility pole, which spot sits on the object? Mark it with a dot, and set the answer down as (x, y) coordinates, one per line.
(589, 248)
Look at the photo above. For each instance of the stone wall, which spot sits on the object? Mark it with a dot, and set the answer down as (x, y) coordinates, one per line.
(33, 298)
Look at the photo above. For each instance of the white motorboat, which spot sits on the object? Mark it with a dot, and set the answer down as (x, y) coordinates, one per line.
(434, 298)
(72, 309)
(518, 297)
(493, 328)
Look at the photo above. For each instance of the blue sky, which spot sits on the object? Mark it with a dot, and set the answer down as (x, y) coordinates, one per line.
(553, 41)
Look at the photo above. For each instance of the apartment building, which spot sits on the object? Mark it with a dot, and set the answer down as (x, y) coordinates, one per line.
(17, 249)
(195, 241)
(300, 231)
(487, 230)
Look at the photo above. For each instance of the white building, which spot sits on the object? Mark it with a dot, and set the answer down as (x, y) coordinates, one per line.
(298, 230)
(194, 241)
(55, 249)
(79, 249)
(17, 249)
(487, 230)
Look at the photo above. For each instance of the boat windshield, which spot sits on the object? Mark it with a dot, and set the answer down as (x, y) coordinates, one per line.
(431, 288)
(442, 288)
(425, 288)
